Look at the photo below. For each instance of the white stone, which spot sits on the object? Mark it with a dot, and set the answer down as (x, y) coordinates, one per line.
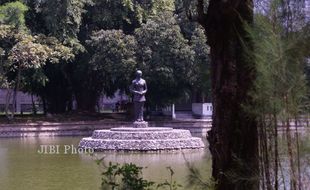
(141, 139)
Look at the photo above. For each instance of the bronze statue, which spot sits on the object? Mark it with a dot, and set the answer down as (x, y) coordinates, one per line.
(138, 88)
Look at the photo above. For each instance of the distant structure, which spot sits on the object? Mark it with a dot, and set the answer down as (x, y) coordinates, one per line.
(307, 9)
(115, 103)
(183, 109)
(24, 101)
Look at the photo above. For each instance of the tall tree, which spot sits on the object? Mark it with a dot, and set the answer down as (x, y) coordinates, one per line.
(165, 56)
(61, 19)
(233, 138)
(112, 63)
(280, 50)
(125, 15)
(200, 79)
(23, 50)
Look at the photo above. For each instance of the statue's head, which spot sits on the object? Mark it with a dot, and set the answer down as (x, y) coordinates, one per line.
(138, 73)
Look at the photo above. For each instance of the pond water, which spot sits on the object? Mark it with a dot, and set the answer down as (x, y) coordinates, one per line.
(23, 167)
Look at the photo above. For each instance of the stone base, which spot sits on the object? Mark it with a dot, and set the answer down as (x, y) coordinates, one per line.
(141, 139)
(140, 124)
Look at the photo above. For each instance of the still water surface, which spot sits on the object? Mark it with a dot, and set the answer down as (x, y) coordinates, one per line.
(23, 168)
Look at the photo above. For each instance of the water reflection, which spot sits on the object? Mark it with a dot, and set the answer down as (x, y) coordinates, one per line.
(21, 167)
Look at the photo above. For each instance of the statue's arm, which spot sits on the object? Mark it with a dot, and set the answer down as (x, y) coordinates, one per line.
(145, 88)
(132, 90)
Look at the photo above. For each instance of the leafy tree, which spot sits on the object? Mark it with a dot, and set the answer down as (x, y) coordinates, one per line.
(112, 63)
(13, 14)
(200, 79)
(101, 15)
(118, 15)
(24, 51)
(114, 57)
(280, 52)
(235, 78)
(61, 19)
(233, 138)
(33, 52)
(125, 15)
(174, 58)
(186, 24)
(166, 58)
(73, 23)
(86, 81)
(129, 176)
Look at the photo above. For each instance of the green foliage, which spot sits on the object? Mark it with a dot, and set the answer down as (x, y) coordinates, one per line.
(34, 51)
(126, 15)
(280, 62)
(280, 92)
(129, 15)
(114, 58)
(162, 6)
(129, 177)
(200, 75)
(6, 31)
(118, 14)
(197, 180)
(24, 54)
(24, 51)
(171, 184)
(126, 177)
(148, 8)
(107, 14)
(62, 17)
(8, 37)
(13, 14)
(95, 32)
(165, 56)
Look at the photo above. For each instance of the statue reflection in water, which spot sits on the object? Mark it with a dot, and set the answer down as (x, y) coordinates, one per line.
(138, 88)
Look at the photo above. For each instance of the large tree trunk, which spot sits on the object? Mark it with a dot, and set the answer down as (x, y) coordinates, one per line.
(58, 90)
(87, 101)
(233, 137)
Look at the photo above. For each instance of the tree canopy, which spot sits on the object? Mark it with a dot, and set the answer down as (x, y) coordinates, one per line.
(97, 46)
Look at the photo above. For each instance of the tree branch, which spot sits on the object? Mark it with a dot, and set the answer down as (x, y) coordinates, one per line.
(202, 16)
(199, 16)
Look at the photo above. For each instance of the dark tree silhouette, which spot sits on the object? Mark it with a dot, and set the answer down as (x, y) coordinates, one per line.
(233, 138)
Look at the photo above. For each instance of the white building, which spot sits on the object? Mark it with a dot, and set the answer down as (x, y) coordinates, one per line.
(23, 101)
